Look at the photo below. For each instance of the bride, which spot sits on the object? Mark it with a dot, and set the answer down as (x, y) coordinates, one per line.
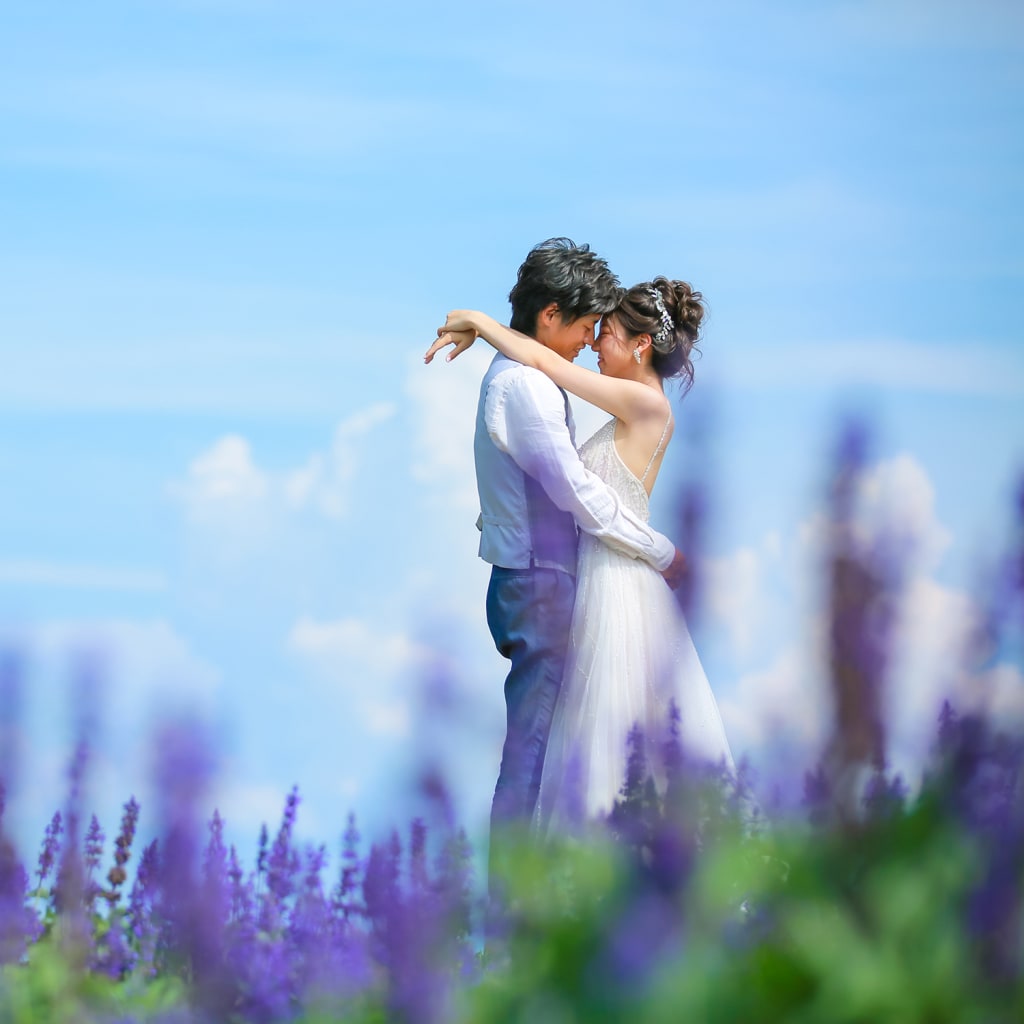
(631, 657)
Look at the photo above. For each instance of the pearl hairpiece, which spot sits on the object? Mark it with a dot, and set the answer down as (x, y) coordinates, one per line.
(666, 321)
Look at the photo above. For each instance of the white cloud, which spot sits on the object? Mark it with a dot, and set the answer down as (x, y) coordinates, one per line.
(779, 712)
(927, 666)
(896, 501)
(786, 706)
(444, 398)
(245, 806)
(222, 478)
(390, 719)
(329, 491)
(377, 667)
(226, 490)
(733, 597)
(139, 661)
(354, 641)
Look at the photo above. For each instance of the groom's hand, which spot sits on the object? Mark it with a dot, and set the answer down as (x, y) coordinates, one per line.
(676, 571)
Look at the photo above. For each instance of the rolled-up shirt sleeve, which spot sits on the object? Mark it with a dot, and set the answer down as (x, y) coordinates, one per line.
(525, 417)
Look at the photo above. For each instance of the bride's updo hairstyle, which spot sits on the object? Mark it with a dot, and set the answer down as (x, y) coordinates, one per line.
(671, 313)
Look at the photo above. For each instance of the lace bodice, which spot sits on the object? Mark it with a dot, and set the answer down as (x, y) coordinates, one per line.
(600, 456)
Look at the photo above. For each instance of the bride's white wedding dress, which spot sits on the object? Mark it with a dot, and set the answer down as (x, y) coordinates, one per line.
(630, 657)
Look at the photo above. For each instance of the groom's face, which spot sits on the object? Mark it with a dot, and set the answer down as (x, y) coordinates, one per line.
(567, 339)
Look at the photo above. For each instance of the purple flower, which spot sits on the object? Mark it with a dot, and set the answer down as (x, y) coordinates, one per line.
(346, 895)
(884, 798)
(864, 575)
(19, 926)
(50, 849)
(93, 853)
(122, 850)
(142, 917)
(261, 857)
(242, 895)
(284, 862)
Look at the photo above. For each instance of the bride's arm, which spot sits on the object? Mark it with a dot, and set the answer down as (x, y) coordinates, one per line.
(625, 399)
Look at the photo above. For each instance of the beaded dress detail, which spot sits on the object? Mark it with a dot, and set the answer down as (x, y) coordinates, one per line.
(630, 656)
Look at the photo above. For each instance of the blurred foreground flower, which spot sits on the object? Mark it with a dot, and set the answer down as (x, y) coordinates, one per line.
(883, 903)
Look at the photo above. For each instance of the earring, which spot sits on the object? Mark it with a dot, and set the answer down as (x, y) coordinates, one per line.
(636, 353)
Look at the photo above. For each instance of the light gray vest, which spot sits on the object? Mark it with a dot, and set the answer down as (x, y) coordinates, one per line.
(519, 524)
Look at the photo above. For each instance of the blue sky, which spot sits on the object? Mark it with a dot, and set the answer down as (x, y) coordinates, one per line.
(229, 231)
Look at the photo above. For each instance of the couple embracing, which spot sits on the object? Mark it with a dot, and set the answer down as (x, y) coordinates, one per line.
(579, 597)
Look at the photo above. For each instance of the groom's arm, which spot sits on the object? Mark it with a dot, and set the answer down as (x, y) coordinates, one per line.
(525, 416)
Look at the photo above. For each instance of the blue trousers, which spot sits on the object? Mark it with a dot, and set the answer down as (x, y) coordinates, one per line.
(529, 612)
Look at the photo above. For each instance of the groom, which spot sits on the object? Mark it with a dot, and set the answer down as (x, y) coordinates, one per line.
(534, 495)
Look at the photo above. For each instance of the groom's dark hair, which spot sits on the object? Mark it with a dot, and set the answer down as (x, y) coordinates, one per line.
(568, 274)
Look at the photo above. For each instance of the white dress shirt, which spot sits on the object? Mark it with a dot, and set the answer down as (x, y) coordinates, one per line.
(528, 421)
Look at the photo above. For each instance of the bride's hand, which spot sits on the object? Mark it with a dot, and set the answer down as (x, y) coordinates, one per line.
(459, 330)
(460, 339)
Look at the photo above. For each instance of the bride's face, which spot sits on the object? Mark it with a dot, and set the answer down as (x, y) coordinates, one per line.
(614, 349)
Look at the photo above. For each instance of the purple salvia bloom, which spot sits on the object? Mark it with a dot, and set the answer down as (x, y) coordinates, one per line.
(346, 900)
(94, 839)
(282, 868)
(114, 957)
(122, 850)
(426, 928)
(631, 815)
(672, 747)
(381, 893)
(142, 917)
(947, 729)
(692, 517)
(433, 788)
(19, 926)
(884, 798)
(692, 513)
(215, 869)
(310, 928)
(242, 895)
(267, 992)
(215, 986)
(649, 928)
(50, 850)
(454, 885)
(817, 798)
(418, 855)
(283, 862)
(192, 926)
(261, 857)
(982, 778)
(863, 576)
(216, 889)
(243, 942)
(69, 891)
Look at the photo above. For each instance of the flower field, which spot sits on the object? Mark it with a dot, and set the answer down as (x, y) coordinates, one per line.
(875, 903)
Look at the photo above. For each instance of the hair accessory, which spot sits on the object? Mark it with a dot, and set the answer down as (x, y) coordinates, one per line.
(636, 353)
(666, 321)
